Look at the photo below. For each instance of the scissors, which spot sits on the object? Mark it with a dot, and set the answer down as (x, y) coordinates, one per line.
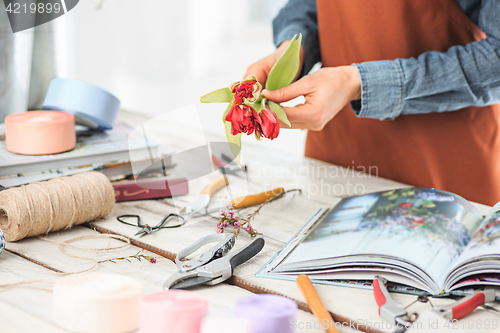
(146, 229)
(228, 167)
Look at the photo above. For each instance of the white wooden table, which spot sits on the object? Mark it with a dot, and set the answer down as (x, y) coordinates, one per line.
(28, 309)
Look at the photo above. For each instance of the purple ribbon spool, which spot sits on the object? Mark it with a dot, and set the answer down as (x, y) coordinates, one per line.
(267, 313)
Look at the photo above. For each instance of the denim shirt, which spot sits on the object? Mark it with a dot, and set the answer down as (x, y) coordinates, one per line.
(471, 75)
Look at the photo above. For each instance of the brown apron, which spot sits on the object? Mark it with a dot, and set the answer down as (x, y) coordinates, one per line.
(456, 151)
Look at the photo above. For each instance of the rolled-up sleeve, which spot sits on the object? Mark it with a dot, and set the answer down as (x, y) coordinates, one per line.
(435, 81)
(299, 17)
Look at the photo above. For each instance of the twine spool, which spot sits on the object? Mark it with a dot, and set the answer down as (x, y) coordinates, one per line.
(60, 203)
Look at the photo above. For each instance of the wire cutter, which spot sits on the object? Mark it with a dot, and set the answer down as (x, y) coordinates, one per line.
(213, 266)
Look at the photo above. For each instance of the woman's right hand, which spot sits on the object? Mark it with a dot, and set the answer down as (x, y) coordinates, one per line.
(261, 68)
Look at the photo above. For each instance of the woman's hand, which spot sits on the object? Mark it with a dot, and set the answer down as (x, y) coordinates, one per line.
(326, 92)
(261, 68)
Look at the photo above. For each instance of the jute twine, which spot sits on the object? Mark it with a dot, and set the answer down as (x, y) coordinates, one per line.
(60, 203)
(126, 242)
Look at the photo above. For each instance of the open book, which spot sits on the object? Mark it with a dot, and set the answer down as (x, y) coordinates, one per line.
(423, 238)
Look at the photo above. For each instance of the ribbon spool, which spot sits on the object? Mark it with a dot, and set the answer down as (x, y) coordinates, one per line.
(2, 242)
(267, 313)
(40, 132)
(225, 325)
(172, 311)
(97, 302)
(92, 106)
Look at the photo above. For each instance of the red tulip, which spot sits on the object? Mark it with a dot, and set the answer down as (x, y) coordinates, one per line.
(270, 128)
(243, 119)
(246, 91)
(406, 204)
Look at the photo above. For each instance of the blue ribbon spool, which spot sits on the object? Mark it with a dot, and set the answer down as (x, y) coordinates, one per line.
(2, 242)
(92, 106)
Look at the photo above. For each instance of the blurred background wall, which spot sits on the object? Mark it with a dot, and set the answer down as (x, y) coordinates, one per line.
(160, 55)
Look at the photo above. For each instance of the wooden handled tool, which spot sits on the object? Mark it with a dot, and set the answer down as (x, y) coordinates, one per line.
(314, 302)
(255, 199)
(214, 185)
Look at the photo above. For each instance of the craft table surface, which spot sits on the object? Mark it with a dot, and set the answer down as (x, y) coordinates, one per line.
(28, 310)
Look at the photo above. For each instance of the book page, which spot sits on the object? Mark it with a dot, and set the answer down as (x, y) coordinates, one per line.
(486, 240)
(426, 227)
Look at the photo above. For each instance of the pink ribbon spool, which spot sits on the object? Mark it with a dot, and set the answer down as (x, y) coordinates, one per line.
(172, 311)
(40, 132)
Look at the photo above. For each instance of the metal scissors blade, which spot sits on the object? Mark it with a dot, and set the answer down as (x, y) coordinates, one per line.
(178, 277)
(192, 282)
(145, 230)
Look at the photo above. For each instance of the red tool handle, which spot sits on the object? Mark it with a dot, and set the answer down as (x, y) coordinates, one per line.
(379, 295)
(462, 309)
(218, 162)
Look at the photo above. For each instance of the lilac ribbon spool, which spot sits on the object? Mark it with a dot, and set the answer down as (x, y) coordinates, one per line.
(267, 313)
(2, 242)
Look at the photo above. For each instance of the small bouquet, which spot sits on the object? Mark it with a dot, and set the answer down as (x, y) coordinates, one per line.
(248, 112)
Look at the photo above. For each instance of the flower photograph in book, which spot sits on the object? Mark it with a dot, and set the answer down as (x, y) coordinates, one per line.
(415, 213)
(489, 233)
(407, 214)
(248, 111)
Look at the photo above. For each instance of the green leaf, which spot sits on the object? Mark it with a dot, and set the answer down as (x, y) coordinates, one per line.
(257, 106)
(225, 113)
(280, 113)
(287, 66)
(222, 95)
(234, 142)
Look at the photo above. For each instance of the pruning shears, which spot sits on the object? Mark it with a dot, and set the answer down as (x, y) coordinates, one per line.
(213, 266)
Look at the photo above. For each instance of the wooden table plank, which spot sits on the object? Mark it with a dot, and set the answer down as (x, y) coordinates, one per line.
(321, 183)
(37, 304)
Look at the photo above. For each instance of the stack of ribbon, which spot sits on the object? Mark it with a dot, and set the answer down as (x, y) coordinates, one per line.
(97, 302)
(52, 130)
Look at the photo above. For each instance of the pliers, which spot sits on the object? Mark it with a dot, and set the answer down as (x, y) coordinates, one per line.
(213, 266)
(394, 312)
(390, 310)
(467, 304)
